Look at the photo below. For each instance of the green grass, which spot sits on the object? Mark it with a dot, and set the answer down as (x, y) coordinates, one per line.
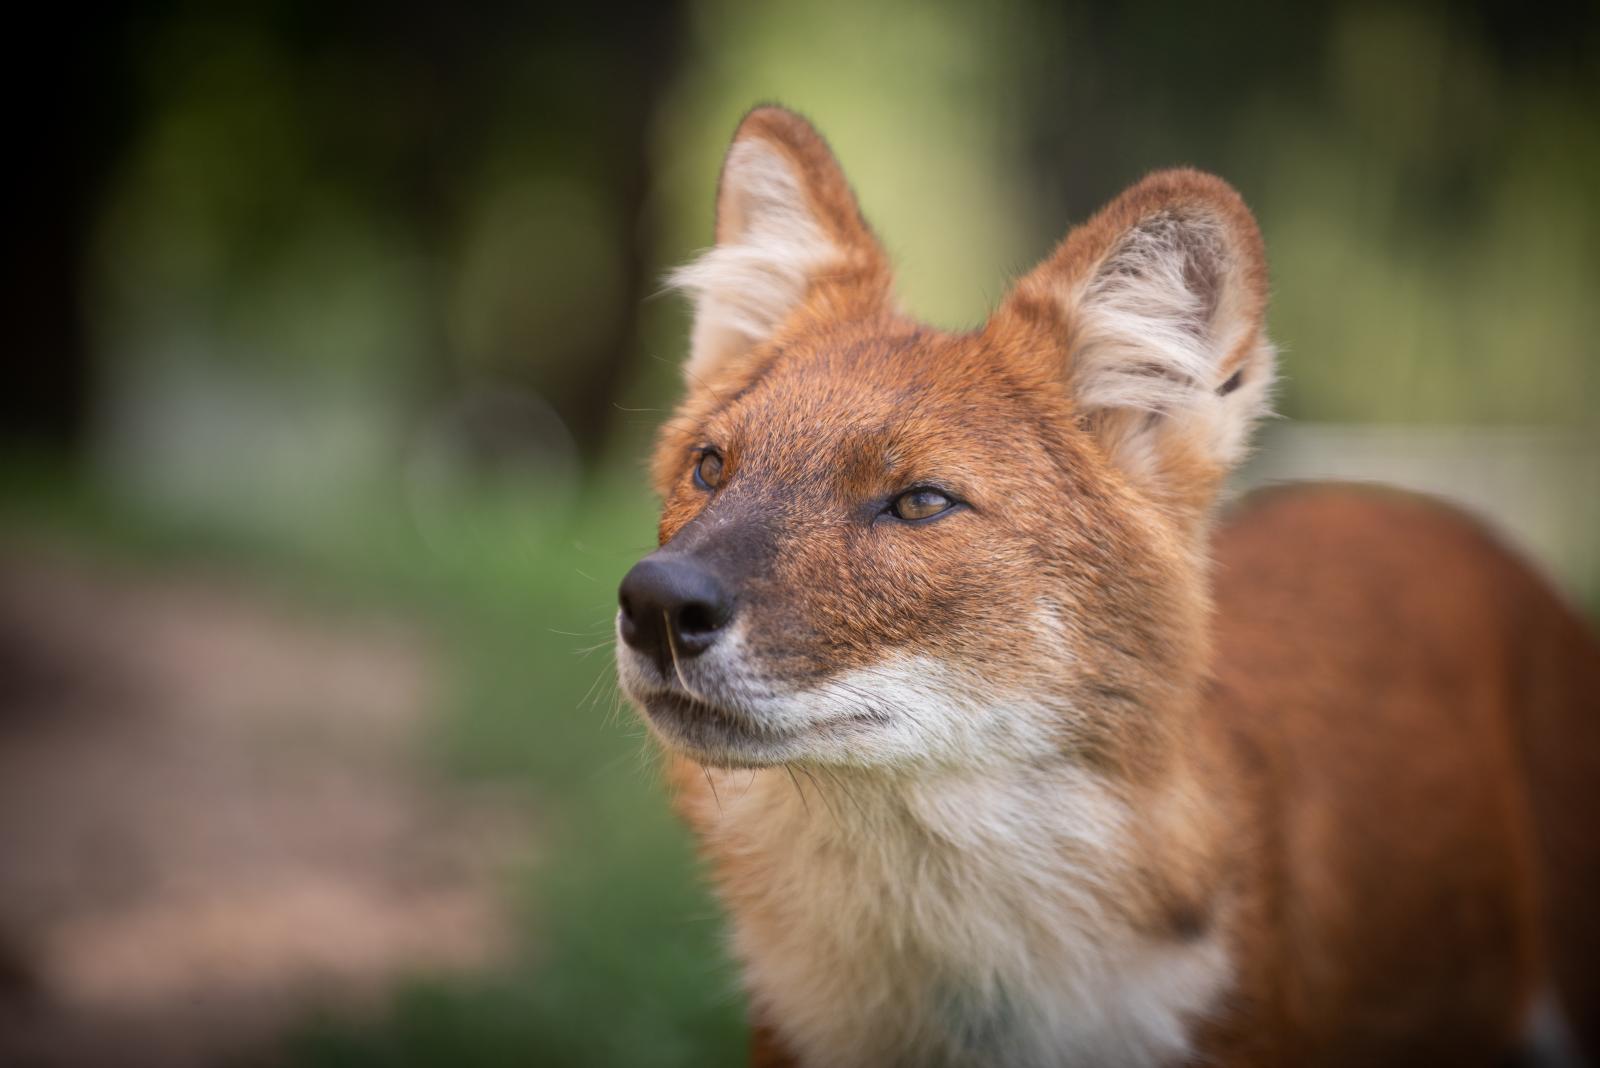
(618, 957)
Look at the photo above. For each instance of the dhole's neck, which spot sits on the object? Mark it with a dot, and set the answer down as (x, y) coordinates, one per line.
(1047, 906)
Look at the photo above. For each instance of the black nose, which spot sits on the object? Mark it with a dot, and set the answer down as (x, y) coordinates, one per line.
(672, 606)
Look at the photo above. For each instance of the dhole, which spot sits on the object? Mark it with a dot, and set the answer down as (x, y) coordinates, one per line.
(1006, 750)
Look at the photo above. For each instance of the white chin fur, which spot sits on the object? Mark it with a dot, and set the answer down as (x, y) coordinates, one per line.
(904, 710)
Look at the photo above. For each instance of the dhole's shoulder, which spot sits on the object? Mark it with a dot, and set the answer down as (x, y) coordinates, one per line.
(1362, 522)
(1358, 568)
(1350, 565)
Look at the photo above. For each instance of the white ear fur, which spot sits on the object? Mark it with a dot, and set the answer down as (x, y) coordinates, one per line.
(1166, 346)
(770, 247)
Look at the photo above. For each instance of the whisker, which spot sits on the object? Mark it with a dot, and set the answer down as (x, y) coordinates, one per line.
(799, 792)
(677, 669)
(713, 786)
(593, 691)
(705, 385)
(822, 794)
(849, 794)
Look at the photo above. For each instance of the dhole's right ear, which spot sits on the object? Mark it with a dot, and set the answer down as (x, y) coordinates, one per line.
(1152, 314)
(788, 234)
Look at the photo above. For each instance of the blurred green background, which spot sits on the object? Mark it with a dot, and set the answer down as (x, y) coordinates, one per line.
(358, 308)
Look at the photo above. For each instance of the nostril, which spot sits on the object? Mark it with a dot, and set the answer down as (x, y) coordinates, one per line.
(697, 617)
(627, 607)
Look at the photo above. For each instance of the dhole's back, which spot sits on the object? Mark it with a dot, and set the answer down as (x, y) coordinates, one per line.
(1417, 713)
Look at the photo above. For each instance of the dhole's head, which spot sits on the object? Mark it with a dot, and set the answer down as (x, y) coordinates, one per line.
(887, 546)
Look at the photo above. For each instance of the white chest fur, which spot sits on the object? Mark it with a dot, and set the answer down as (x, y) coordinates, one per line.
(955, 922)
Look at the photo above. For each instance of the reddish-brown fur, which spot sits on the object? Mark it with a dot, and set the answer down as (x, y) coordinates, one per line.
(1364, 739)
(1384, 671)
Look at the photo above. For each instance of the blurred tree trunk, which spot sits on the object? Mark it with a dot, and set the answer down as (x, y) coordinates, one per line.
(585, 84)
(65, 91)
(647, 55)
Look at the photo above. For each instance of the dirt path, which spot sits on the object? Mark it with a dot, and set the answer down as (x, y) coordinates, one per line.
(213, 816)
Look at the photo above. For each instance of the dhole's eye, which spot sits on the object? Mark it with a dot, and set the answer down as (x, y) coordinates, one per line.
(916, 504)
(708, 472)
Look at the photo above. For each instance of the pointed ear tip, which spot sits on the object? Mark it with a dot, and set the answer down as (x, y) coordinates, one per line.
(771, 134)
(1179, 185)
(1182, 176)
(763, 151)
(776, 123)
(1190, 185)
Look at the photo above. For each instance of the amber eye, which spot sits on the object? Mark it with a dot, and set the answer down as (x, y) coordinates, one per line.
(708, 472)
(920, 504)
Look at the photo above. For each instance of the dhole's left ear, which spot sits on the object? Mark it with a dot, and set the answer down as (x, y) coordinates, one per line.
(789, 234)
(1156, 307)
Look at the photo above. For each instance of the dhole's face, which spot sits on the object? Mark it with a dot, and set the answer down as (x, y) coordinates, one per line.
(884, 546)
